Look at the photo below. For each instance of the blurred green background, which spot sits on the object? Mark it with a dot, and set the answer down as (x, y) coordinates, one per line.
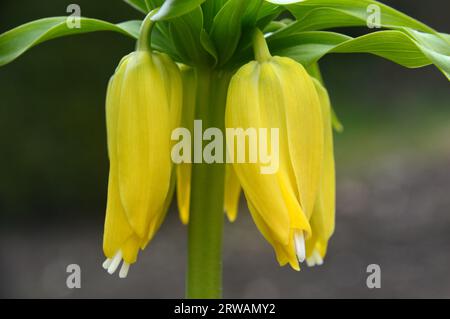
(53, 174)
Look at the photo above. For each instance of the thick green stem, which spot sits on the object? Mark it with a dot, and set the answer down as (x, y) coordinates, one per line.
(144, 41)
(204, 275)
(260, 48)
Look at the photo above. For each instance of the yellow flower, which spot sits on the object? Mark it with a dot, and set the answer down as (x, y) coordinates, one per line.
(143, 106)
(322, 219)
(277, 92)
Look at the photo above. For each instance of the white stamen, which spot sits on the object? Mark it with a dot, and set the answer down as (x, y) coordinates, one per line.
(115, 262)
(318, 259)
(311, 262)
(124, 270)
(299, 241)
(106, 263)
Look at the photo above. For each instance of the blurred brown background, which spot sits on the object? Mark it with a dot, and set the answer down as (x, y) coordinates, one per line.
(393, 165)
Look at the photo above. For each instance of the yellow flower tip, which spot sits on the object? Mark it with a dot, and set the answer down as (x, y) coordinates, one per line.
(231, 215)
(232, 194)
(184, 172)
(295, 265)
(184, 215)
(315, 259)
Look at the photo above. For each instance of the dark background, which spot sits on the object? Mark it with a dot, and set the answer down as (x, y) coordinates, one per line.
(393, 164)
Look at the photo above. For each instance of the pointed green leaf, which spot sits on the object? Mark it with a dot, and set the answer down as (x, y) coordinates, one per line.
(267, 13)
(139, 5)
(210, 9)
(175, 8)
(412, 52)
(190, 39)
(15, 42)
(227, 28)
(325, 14)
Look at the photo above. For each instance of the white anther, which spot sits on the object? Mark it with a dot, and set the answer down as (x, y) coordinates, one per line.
(106, 263)
(318, 259)
(115, 262)
(124, 270)
(299, 241)
(310, 262)
(315, 259)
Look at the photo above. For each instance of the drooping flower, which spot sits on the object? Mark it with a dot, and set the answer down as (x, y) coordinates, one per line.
(277, 92)
(143, 107)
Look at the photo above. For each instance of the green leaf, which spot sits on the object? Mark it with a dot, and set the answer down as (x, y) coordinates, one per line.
(251, 13)
(210, 8)
(208, 45)
(15, 42)
(274, 26)
(227, 28)
(190, 39)
(267, 13)
(175, 8)
(161, 41)
(139, 5)
(153, 4)
(424, 49)
(306, 47)
(325, 14)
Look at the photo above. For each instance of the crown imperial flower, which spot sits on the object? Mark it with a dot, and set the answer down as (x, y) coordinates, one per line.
(143, 106)
(277, 92)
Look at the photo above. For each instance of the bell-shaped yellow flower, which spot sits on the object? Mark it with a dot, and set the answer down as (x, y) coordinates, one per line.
(142, 108)
(322, 219)
(277, 92)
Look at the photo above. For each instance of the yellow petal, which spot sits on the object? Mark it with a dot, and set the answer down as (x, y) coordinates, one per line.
(184, 190)
(323, 217)
(143, 141)
(118, 234)
(243, 111)
(156, 223)
(173, 84)
(187, 121)
(130, 249)
(284, 253)
(304, 128)
(113, 104)
(232, 193)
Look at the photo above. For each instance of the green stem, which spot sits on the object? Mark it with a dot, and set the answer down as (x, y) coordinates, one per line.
(260, 47)
(144, 41)
(204, 275)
